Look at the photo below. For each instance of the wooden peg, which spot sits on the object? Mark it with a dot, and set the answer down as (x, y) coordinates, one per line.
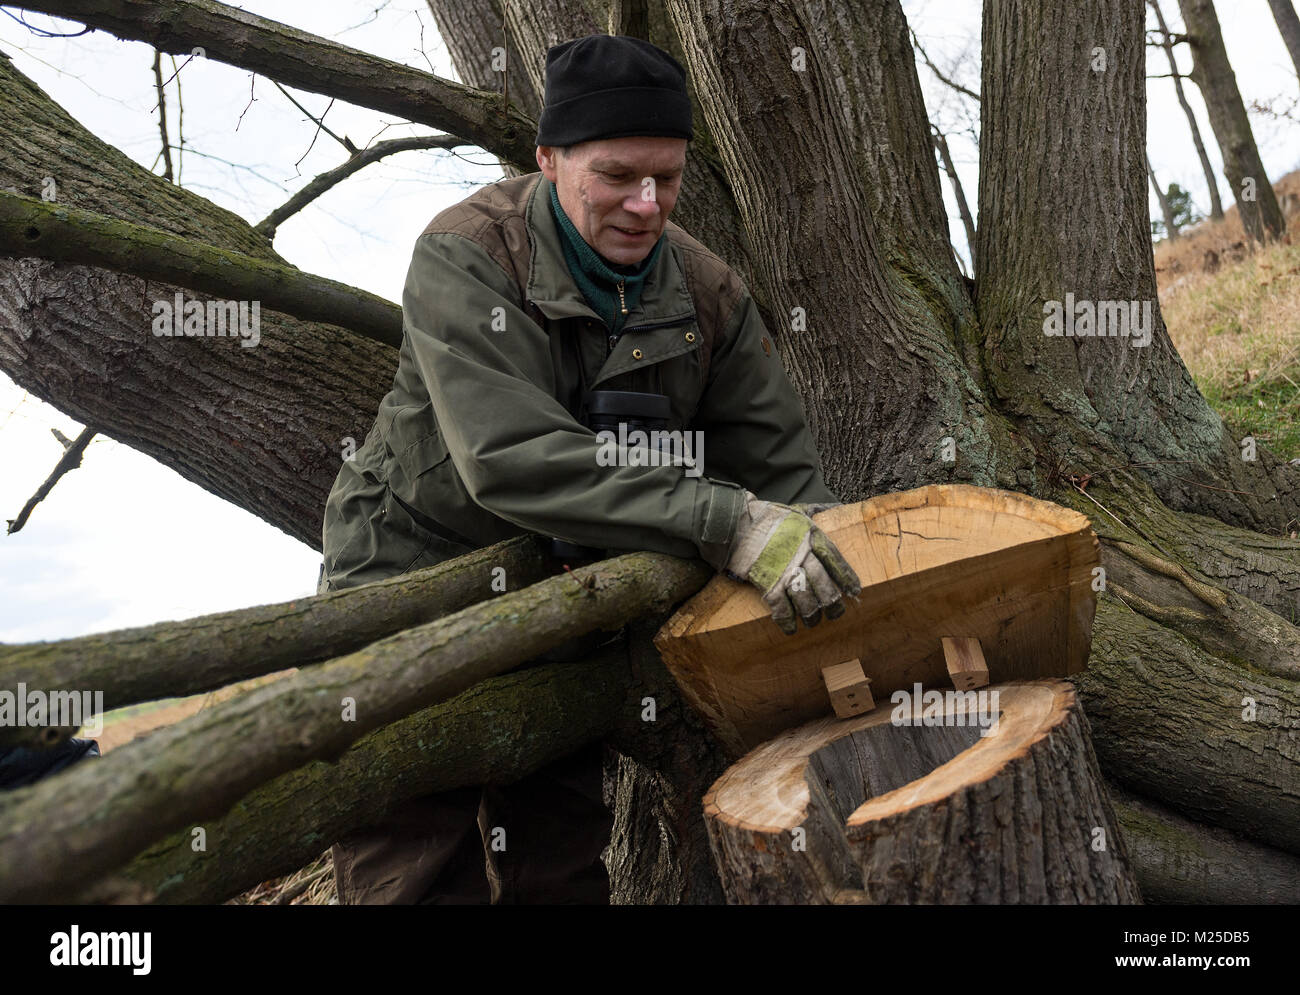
(849, 688)
(965, 659)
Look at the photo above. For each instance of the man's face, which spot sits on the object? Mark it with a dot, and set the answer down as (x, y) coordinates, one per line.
(618, 192)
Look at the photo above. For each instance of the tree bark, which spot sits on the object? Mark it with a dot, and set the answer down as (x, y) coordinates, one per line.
(659, 849)
(1181, 862)
(174, 659)
(263, 428)
(1083, 229)
(51, 841)
(1177, 724)
(1211, 183)
(471, 29)
(1211, 71)
(818, 210)
(1288, 24)
(858, 811)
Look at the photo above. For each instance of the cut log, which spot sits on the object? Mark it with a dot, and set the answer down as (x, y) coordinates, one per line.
(1006, 570)
(916, 804)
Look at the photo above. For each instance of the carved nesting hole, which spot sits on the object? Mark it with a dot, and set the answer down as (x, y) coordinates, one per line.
(878, 759)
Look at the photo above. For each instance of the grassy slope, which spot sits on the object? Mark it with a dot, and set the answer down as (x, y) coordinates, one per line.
(1234, 317)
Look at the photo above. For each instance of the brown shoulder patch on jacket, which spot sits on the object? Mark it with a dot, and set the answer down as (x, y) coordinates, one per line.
(714, 287)
(493, 217)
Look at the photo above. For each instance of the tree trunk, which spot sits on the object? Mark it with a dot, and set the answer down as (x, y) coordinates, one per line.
(1288, 24)
(856, 811)
(1211, 71)
(471, 29)
(1211, 183)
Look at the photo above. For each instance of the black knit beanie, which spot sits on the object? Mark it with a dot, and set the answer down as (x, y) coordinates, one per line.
(612, 86)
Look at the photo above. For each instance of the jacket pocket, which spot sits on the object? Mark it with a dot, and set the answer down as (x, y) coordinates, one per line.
(681, 377)
(425, 486)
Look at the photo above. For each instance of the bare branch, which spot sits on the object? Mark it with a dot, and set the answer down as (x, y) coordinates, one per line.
(162, 117)
(65, 234)
(360, 159)
(319, 122)
(963, 208)
(312, 63)
(916, 44)
(70, 460)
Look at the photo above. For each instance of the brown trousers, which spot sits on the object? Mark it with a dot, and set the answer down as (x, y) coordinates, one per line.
(537, 841)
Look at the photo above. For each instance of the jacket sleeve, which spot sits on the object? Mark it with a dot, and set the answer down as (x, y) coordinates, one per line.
(521, 455)
(755, 430)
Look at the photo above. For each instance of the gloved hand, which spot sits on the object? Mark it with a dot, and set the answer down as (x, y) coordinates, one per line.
(791, 561)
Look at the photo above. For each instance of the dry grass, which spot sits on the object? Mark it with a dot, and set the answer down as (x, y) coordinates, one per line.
(1233, 313)
(310, 885)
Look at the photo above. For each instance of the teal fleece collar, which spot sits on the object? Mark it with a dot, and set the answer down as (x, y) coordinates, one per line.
(595, 276)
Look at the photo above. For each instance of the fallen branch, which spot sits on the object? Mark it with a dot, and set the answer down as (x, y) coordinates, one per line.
(498, 731)
(52, 841)
(173, 659)
(64, 234)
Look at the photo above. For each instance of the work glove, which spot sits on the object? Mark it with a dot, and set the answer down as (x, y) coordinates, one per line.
(792, 562)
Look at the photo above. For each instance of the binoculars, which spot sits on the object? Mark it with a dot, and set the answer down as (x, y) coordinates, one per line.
(605, 411)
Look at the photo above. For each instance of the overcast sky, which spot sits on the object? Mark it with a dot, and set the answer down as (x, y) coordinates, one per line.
(125, 541)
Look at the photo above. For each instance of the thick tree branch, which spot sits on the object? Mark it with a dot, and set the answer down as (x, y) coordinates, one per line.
(34, 228)
(1181, 862)
(311, 63)
(359, 160)
(173, 659)
(52, 841)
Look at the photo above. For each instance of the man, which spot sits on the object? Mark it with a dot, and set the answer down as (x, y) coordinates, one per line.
(520, 302)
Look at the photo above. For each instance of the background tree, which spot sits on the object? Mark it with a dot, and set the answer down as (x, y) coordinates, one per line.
(1166, 42)
(1288, 25)
(814, 175)
(1212, 72)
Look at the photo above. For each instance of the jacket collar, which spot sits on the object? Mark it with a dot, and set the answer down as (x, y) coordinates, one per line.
(665, 296)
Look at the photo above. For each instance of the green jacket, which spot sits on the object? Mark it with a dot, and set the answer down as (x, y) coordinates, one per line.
(478, 440)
